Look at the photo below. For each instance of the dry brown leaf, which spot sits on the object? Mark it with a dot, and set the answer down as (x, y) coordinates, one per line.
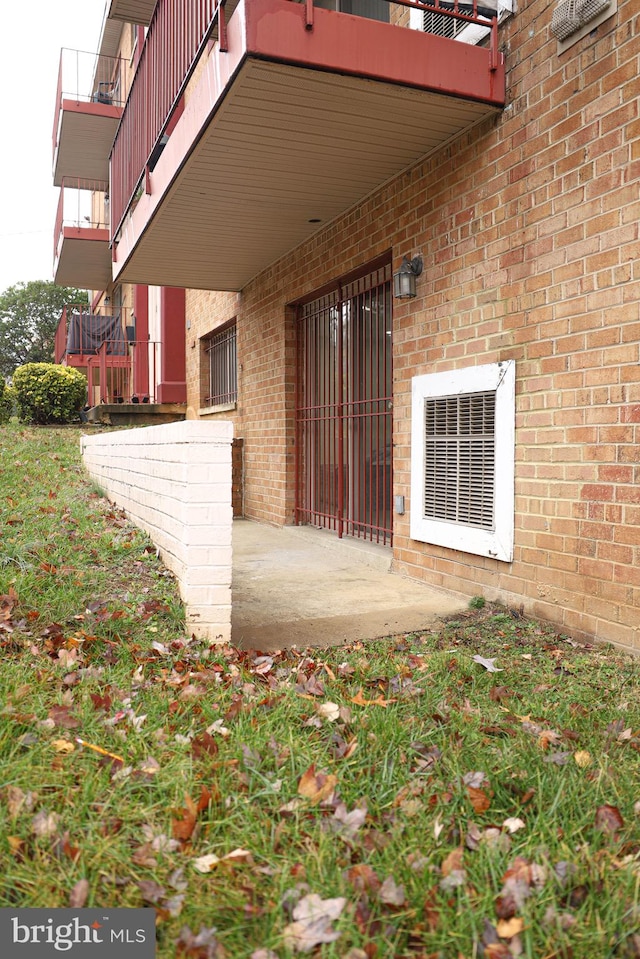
(392, 894)
(478, 799)
(312, 923)
(183, 828)
(359, 700)
(363, 878)
(79, 893)
(316, 786)
(15, 845)
(508, 928)
(546, 737)
(609, 819)
(45, 823)
(17, 800)
(582, 758)
(205, 864)
(454, 862)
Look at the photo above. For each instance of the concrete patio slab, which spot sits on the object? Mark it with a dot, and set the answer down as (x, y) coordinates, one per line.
(305, 587)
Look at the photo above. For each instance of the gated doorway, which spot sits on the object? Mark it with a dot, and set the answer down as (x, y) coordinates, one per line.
(344, 409)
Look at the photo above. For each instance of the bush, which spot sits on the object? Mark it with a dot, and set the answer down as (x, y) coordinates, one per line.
(7, 402)
(48, 393)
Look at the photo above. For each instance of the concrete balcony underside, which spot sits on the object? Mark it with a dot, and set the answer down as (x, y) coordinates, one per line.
(85, 137)
(289, 129)
(131, 11)
(83, 258)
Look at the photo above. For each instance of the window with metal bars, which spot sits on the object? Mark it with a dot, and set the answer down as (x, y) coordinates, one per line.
(219, 352)
(462, 459)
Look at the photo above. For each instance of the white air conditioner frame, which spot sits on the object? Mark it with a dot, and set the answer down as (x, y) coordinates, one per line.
(473, 32)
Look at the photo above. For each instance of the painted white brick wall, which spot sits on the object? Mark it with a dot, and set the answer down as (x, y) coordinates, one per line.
(174, 481)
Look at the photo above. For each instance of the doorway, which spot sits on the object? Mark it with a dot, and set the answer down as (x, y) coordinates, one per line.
(344, 410)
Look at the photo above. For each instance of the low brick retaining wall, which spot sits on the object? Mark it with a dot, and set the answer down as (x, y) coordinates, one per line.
(174, 481)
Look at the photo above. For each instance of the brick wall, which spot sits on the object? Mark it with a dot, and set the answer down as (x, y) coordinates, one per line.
(528, 226)
(174, 481)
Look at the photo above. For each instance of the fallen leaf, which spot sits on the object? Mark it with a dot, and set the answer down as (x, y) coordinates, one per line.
(582, 758)
(204, 745)
(204, 945)
(609, 819)
(489, 664)
(79, 893)
(454, 862)
(346, 824)
(508, 928)
(475, 779)
(205, 864)
(392, 894)
(151, 892)
(316, 786)
(61, 716)
(513, 825)
(546, 737)
(329, 711)
(478, 799)
(17, 800)
(183, 828)
(363, 878)
(312, 922)
(15, 846)
(359, 700)
(45, 823)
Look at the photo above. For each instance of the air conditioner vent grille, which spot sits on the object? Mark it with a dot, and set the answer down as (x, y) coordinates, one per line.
(570, 15)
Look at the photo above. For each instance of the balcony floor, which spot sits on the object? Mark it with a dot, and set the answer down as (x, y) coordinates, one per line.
(83, 259)
(85, 137)
(269, 150)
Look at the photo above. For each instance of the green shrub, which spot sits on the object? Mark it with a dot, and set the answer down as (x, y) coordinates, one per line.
(7, 402)
(48, 393)
(477, 602)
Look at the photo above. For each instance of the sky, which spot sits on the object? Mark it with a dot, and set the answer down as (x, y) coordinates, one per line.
(34, 33)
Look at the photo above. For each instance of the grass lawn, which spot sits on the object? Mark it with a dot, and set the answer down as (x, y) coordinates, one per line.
(394, 799)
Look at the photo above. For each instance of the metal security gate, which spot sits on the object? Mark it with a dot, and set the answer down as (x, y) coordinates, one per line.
(344, 409)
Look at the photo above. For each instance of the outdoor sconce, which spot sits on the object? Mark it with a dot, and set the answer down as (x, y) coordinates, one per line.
(404, 281)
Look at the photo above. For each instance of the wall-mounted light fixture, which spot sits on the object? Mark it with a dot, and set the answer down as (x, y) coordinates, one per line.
(404, 281)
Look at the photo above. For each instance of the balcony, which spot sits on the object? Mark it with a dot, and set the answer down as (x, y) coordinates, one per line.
(297, 113)
(119, 368)
(131, 11)
(81, 254)
(89, 103)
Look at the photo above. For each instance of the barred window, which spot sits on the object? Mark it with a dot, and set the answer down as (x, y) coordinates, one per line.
(219, 353)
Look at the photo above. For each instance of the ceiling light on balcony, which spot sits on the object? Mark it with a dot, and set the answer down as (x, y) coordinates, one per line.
(404, 281)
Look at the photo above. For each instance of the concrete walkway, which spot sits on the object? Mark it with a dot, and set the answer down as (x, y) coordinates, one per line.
(305, 587)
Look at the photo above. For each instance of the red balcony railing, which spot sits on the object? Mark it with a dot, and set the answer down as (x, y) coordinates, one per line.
(130, 378)
(177, 34)
(81, 332)
(81, 204)
(88, 78)
(120, 369)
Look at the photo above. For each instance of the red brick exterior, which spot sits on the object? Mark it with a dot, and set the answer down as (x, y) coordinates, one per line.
(528, 226)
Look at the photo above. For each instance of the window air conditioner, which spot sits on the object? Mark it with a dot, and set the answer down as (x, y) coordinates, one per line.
(443, 25)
